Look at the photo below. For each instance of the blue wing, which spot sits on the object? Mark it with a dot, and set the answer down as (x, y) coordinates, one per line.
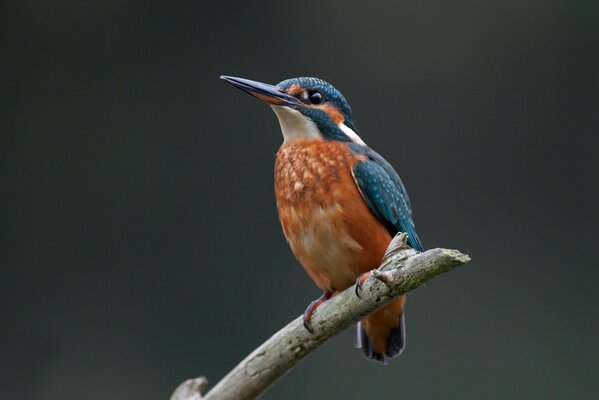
(385, 194)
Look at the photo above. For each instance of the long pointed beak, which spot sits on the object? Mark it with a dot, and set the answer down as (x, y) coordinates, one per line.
(267, 93)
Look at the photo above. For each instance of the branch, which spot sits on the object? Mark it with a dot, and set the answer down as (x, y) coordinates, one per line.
(402, 269)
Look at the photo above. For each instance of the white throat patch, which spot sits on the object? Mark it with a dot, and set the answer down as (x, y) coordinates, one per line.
(294, 125)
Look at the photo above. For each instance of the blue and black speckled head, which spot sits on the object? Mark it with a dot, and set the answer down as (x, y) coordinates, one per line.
(316, 91)
(307, 108)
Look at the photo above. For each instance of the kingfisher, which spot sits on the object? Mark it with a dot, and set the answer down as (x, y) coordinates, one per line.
(339, 202)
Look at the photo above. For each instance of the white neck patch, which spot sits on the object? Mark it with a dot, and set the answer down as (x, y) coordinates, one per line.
(294, 125)
(351, 134)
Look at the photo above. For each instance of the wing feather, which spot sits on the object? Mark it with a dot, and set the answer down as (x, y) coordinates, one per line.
(385, 194)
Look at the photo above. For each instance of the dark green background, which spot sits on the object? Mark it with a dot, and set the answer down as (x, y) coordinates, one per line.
(139, 238)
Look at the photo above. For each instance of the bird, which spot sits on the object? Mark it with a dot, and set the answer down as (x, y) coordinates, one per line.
(339, 202)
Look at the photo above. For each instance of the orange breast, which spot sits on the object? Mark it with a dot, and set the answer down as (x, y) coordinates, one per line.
(328, 225)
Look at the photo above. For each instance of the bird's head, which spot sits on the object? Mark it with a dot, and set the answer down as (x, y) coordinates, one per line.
(307, 108)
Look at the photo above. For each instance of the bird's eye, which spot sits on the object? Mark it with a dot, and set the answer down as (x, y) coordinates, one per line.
(315, 97)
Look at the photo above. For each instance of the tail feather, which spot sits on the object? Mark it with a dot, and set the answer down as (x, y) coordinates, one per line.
(397, 339)
(382, 338)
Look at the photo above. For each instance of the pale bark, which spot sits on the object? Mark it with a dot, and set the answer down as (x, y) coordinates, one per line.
(402, 270)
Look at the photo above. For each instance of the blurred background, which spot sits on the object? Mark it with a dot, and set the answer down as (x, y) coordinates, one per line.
(139, 241)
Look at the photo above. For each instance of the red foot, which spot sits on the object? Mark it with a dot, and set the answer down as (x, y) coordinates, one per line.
(312, 307)
(360, 282)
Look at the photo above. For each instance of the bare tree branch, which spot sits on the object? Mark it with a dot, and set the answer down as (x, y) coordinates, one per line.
(191, 389)
(402, 270)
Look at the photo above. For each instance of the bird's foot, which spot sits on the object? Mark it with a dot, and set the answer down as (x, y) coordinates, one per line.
(312, 307)
(360, 282)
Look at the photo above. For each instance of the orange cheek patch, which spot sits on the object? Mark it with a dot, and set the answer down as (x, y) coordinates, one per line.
(294, 90)
(333, 113)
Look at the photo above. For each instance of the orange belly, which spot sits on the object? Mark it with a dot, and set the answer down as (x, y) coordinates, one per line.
(327, 223)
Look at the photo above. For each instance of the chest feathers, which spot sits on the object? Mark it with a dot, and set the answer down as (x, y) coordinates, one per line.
(328, 225)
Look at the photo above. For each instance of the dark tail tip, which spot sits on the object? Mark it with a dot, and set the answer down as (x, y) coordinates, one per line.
(397, 339)
(395, 344)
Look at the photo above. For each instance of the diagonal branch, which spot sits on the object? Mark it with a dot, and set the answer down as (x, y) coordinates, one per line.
(402, 269)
